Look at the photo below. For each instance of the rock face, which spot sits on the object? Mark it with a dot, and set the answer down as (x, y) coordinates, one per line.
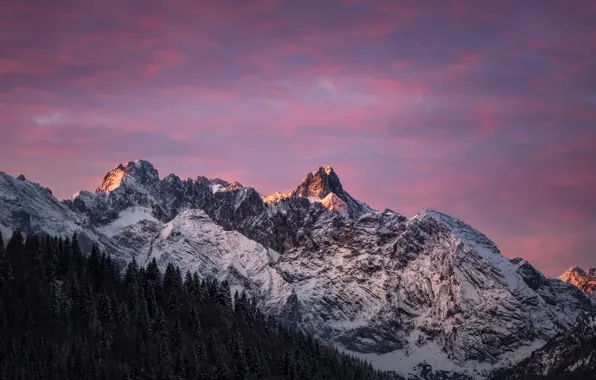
(583, 280)
(569, 355)
(397, 291)
(324, 184)
(33, 209)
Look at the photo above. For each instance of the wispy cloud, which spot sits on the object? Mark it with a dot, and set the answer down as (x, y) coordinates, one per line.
(485, 111)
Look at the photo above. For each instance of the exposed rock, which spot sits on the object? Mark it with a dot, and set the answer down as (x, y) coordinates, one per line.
(583, 280)
(569, 355)
(375, 283)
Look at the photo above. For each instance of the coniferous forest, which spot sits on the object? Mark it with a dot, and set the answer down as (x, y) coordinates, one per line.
(69, 315)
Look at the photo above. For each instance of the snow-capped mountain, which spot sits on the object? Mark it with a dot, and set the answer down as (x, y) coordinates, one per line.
(584, 280)
(397, 291)
(33, 209)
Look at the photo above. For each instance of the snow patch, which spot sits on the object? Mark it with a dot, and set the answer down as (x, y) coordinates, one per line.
(404, 361)
(216, 187)
(274, 255)
(194, 242)
(6, 233)
(126, 218)
(239, 267)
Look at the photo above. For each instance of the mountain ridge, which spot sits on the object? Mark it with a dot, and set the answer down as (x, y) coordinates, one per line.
(374, 282)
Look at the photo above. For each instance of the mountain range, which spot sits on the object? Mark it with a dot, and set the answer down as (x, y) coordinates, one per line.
(418, 296)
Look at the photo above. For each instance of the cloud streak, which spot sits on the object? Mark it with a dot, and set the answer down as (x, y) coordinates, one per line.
(485, 111)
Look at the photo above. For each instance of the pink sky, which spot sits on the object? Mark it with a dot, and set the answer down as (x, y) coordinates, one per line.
(483, 110)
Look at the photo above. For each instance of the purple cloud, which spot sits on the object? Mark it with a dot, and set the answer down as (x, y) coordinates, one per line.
(484, 111)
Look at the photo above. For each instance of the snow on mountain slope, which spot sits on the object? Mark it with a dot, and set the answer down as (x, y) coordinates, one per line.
(382, 284)
(126, 218)
(32, 208)
(372, 282)
(194, 243)
(583, 280)
(569, 355)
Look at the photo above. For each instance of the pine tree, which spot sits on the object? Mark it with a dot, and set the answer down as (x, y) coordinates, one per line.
(77, 254)
(66, 261)
(173, 304)
(104, 308)
(5, 266)
(15, 251)
(77, 319)
(153, 274)
(84, 305)
(176, 335)
(195, 323)
(93, 266)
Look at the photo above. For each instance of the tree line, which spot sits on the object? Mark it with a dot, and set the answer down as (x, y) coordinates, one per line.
(69, 315)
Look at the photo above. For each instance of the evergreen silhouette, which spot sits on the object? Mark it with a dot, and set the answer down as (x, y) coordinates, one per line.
(66, 315)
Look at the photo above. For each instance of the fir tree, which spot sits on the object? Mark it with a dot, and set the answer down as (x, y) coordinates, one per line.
(65, 316)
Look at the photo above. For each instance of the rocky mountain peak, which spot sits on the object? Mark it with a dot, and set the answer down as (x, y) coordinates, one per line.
(573, 272)
(138, 172)
(321, 183)
(584, 280)
(391, 289)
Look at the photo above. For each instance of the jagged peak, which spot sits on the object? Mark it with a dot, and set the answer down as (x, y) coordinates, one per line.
(583, 280)
(219, 181)
(139, 171)
(218, 185)
(320, 183)
(21, 182)
(317, 186)
(574, 271)
(276, 197)
(327, 169)
(173, 178)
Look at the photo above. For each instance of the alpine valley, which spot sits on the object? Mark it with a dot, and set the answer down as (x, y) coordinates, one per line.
(425, 297)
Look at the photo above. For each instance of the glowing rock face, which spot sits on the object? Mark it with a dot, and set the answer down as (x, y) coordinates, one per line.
(378, 284)
(323, 186)
(583, 280)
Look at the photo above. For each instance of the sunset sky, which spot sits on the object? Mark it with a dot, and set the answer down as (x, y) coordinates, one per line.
(485, 110)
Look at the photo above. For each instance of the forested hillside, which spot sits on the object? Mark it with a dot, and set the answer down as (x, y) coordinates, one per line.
(68, 315)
